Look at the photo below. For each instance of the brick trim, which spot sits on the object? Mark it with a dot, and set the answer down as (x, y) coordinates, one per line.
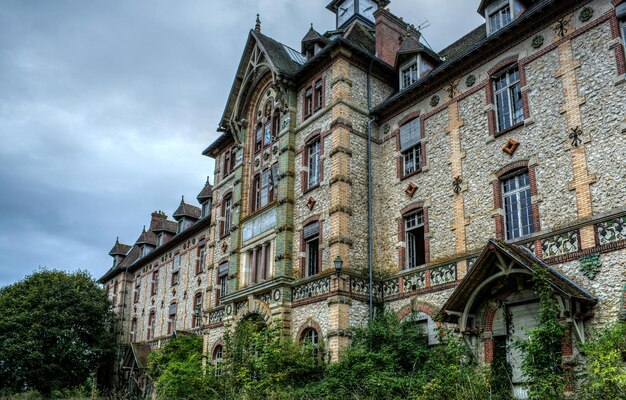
(310, 323)
(618, 48)
(408, 118)
(511, 167)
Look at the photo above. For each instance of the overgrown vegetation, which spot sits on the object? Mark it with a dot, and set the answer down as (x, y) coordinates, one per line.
(54, 334)
(542, 363)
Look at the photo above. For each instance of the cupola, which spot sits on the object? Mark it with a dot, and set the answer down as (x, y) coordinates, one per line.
(347, 11)
(313, 42)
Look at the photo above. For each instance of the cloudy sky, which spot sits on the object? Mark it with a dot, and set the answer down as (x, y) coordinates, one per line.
(105, 107)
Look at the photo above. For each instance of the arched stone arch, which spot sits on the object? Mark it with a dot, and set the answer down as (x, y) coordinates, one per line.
(417, 305)
(256, 307)
(310, 323)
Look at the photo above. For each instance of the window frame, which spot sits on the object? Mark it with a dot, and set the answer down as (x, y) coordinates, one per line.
(171, 318)
(133, 329)
(414, 77)
(221, 281)
(521, 194)
(137, 291)
(512, 89)
(196, 302)
(217, 356)
(313, 97)
(305, 248)
(200, 259)
(311, 140)
(175, 269)
(226, 214)
(313, 150)
(402, 251)
(419, 249)
(154, 284)
(229, 161)
(417, 150)
(150, 331)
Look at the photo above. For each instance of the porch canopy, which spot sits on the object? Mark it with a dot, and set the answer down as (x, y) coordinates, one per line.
(500, 261)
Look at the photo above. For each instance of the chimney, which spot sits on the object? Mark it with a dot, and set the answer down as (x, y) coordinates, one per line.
(156, 217)
(389, 33)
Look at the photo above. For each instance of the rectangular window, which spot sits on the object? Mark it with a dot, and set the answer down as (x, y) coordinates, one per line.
(274, 181)
(499, 15)
(133, 330)
(226, 167)
(206, 208)
(137, 288)
(197, 310)
(176, 269)
(508, 99)
(408, 74)
(517, 206)
(411, 147)
(313, 153)
(154, 285)
(151, 326)
(311, 234)
(267, 136)
(414, 239)
(308, 102)
(259, 139)
(200, 261)
(226, 215)
(171, 323)
(222, 280)
(319, 95)
(276, 125)
(266, 188)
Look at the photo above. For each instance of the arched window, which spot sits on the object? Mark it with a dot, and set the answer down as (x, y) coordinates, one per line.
(310, 336)
(426, 325)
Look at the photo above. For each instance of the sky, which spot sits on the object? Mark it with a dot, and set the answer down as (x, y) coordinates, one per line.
(106, 106)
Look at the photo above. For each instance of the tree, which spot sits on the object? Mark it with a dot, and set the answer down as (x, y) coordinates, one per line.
(55, 331)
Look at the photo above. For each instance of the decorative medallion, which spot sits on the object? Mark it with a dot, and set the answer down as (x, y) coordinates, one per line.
(456, 184)
(386, 129)
(575, 136)
(590, 265)
(470, 81)
(561, 27)
(311, 203)
(276, 295)
(274, 150)
(510, 147)
(266, 155)
(451, 89)
(224, 246)
(537, 41)
(411, 189)
(434, 100)
(229, 309)
(585, 14)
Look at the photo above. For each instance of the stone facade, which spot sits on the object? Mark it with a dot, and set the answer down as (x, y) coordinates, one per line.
(569, 139)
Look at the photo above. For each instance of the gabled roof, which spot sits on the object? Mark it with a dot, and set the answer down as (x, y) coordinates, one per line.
(412, 45)
(519, 259)
(206, 193)
(314, 36)
(361, 36)
(465, 43)
(137, 354)
(119, 249)
(186, 210)
(133, 255)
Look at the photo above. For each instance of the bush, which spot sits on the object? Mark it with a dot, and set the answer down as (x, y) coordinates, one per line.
(604, 374)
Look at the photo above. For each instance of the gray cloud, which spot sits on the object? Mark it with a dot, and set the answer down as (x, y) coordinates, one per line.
(105, 107)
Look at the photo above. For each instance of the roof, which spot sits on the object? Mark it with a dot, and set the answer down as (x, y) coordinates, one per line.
(119, 249)
(206, 193)
(313, 36)
(186, 210)
(466, 42)
(147, 237)
(165, 226)
(466, 49)
(285, 59)
(137, 354)
(411, 45)
(361, 36)
(133, 255)
(522, 259)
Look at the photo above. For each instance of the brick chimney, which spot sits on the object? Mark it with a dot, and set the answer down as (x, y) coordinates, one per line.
(156, 217)
(389, 33)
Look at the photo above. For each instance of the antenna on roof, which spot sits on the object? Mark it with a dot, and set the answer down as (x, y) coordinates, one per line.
(423, 25)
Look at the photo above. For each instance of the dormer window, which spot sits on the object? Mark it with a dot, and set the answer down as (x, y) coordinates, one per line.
(146, 250)
(408, 74)
(206, 208)
(501, 13)
(183, 224)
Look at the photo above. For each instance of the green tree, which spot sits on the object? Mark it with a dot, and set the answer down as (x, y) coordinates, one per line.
(55, 331)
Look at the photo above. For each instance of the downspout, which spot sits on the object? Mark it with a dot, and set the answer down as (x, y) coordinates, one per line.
(369, 191)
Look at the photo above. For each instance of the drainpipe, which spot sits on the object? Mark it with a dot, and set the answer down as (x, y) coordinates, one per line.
(369, 191)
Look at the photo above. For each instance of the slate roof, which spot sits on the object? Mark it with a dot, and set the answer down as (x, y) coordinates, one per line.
(119, 249)
(411, 45)
(465, 43)
(141, 351)
(362, 37)
(133, 255)
(485, 266)
(165, 226)
(186, 210)
(313, 36)
(206, 193)
(284, 58)
(147, 237)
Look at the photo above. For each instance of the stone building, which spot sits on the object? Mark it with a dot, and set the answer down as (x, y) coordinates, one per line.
(366, 169)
